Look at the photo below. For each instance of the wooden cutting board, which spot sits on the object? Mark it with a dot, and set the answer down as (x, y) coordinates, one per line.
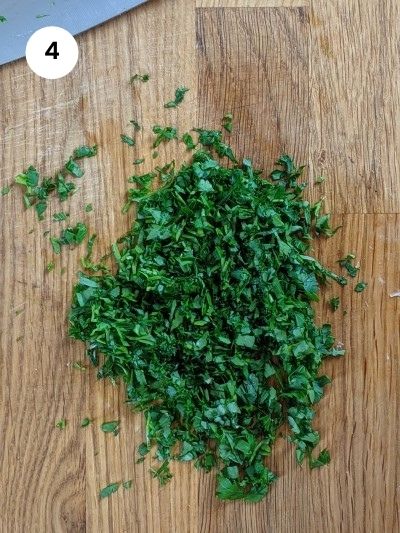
(315, 78)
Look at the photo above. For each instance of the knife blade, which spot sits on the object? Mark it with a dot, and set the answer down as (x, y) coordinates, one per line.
(24, 17)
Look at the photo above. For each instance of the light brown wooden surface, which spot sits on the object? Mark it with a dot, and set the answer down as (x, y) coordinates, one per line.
(320, 81)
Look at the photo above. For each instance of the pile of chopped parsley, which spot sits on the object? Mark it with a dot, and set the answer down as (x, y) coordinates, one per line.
(208, 318)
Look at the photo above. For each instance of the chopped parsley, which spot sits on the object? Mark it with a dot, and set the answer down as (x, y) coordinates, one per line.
(85, 422)
(85, 151)
(140, 77)
(50, 266)
(188, 140)
(164, 134)
(347, 264)
(73, 168)
(38, 191)
(334, 303)
(227, 122)
(59, 217)
(5, 190)
(88, 208)
(135, 124)
(3, 18)
(61, 424)
(78, 365)
(360, 286)
(138, 161)
(71, 236)
(208, 318)
(108, 490)
(127, 140)
(179, 96)
(111, 427)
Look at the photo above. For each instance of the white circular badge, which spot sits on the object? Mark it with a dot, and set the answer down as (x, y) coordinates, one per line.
(52, 52)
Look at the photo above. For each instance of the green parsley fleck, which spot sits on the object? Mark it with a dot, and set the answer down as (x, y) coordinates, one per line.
(179, 95)
(88, 208)
(73, 168)
(85, 151)
(59, 217)
(135, 124)
(320, 180)
(164, 134)
(347, 264)
(41, 16)
(127, 140)
(111, 427)
(71, 236)
(107, 491)
(154, 154)
(3, 19)
(138, 161)
(50, 266)
(85, 422)
(5, 190)
(227, 122)
(188, 140)
(61, 424)
(78, 365)
(334, 303)
(360, 286)
(127, 484)
(323, 458)
(162, 473)
(140, 77)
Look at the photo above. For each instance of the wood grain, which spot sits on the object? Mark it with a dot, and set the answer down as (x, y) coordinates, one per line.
(320, 82)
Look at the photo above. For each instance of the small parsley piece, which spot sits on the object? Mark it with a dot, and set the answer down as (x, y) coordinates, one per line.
(162, 473)
(135, 124)
(347, 264)
(78, 365)
(164, 134)
(127, 140)
(188, 140)
(59, 217)
(361, 285)
(227, 122)
(179, 95)
(41, 16)
(127, 484)
(71, 236)
(138, 161)
(85, 422)
(50, 266)
(154, 154)
(334, 303)
(5, 190)
(140, 77)
(85, 151)
(64, 188)
(320, 180)
(72, 167)
(111, 427)
(88, 208)
(108, 490)
(323, 458)
(3, 18)
(61, 424)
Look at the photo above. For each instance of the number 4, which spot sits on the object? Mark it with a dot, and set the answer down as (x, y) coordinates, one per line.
(52, 50)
